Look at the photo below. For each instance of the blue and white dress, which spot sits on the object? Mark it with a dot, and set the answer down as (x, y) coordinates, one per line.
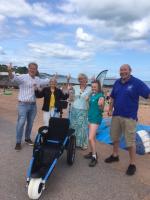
(79, 115)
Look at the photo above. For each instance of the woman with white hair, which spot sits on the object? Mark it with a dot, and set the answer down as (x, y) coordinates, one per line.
(79, 111)
(52, 100)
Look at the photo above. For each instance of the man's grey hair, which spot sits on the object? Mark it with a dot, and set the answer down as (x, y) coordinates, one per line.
(126, 65)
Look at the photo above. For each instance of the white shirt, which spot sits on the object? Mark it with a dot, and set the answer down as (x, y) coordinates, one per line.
(26, 86)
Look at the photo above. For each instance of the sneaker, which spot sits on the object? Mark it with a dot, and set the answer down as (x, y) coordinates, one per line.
(88, 156)
(93, 162)
(18, 146)
(112, 159)
(29, 142)
(84, 148)
(131, 170)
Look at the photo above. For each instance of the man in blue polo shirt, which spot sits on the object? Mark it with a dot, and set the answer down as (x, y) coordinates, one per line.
(124, 104)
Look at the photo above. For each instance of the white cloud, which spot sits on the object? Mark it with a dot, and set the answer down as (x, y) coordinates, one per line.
(2, 52)
(20, 22)
(2, 18)
(124, 19)
(110, 13)
(38, 23)
(20, 8)
(15, 8)
(39, 13)
(66, 8)
(59, 51)
(92, 43)
(82, 36)
(107, 44)
(126, 10)
(88, 28)
(84, 40)
(137, 45)
(139, 29)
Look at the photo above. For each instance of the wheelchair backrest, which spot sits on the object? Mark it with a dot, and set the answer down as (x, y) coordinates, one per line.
(58, 128)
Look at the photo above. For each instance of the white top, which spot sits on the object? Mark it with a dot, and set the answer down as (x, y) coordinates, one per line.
(26, 86)
(80, 96)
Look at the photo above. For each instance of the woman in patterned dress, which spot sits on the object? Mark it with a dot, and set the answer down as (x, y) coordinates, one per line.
(79, 111)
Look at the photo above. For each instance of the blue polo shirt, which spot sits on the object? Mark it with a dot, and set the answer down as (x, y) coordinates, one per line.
(126, 97)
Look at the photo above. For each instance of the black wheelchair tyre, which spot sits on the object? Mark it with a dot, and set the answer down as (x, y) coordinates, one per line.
(71, 150)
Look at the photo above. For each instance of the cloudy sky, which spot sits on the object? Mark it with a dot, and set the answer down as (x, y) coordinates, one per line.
(76, 35)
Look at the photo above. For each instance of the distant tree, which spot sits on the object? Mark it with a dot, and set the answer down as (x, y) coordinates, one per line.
(16, 69)
(3, 68)
(21, 70)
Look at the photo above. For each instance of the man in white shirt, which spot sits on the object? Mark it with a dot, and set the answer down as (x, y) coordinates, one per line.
(26, 101)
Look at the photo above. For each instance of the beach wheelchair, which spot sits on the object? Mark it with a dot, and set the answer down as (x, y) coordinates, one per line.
(49, 145)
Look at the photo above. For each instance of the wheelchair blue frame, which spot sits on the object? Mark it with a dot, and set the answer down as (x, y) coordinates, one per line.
(54, 162)
(62, 145)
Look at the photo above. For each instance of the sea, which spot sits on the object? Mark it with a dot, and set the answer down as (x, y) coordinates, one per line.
(110, 82)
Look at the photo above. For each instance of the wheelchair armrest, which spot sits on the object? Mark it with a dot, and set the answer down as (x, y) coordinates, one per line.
(43, 130)
(70, 131)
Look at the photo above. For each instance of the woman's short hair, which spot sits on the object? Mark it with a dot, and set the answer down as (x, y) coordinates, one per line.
(81, 75)
(53, 79)
(99, 85)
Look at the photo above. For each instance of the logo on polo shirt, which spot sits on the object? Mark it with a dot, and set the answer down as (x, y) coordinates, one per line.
(130, 87)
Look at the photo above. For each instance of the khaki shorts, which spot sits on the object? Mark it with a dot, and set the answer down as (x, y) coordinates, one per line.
(125, 126)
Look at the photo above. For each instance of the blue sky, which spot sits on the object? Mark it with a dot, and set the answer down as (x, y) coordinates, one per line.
(73, 36)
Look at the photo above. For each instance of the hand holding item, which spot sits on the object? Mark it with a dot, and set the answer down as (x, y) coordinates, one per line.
(9, 67)
(101, 103)
(56, 76)
(86, 98)
(68, 78)
(110, 107)
(109, 113)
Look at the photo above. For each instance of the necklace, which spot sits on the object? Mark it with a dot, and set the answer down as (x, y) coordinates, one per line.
(81, 91)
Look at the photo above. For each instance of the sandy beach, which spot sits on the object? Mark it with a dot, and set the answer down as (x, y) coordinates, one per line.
(79, 182)
(8, 109)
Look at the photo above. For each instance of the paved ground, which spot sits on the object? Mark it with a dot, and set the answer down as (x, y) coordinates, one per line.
(79, 182)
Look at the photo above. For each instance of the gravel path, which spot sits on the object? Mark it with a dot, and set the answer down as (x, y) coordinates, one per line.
(78, 182)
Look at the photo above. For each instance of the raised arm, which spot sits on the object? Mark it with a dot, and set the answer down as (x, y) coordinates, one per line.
(111, 105)
(9, 69)
(18, 79)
